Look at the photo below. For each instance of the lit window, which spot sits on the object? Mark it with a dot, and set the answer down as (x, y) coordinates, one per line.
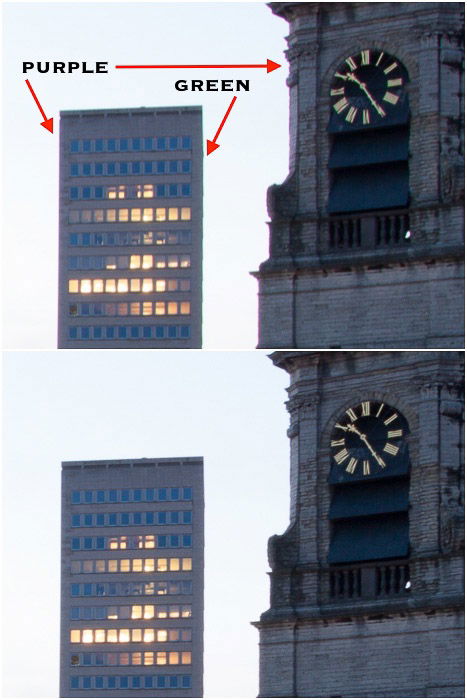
(112, 635)
(113, 565)
(160, 261)
(111, 215)
(122, 310)
(73, 286)
(113, 543)
(148, 612)
(160, 214)
(185, 261)
(174, 611)
(186, 564)
(149, 542)
(124, 565)
(124, 658)
(98, 215)
(172, 308)
(111, 262)
(122, 286)
(147, 285)
(136, 635)
(162, 565)
(148, 214)
(135, 285)
(172, 285)
(173, 658)
(136, 658)
(159, 308)
(148, 636)
(186, 213)
(98, 286)
(135, 305)
(185, 307)
(86, 287)
(160, 285)
(135, 262)
(87, 637)
(112, 612)
(186, 657)
(149, 566)
(123, 214)
(112, 193)
(136, 612)
(161, 635)
(172, 260)
(161, 658)
(124, 635)
(75, 636)
(147, 308)
(86, 216)
(147, 238)
(121, 191)
(147, 262)
(110, 286)
(148, 658)
(136, 214)
(137, 564)
(100, 565)
(174, 565)
(173, 214)
(161, 611)
(99, 635)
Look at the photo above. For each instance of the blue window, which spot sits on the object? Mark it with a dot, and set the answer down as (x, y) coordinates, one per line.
(136, 518)
(73, 239)
(146, 331)
(149, 518)
(174, 517)
(88, 520)
(186, 681)
(135, 682)
(74, 682)
(134, 332)
(159, 331)
(100, 520)
(112, 518)
(148, 144)
(76, 497)
(112, 496)
(100, 614)
(101, 497)
(162, 541)
(147, 166)
(186, 166)
(86, 146)
(74, 147)
(160, 144)
(87, 659)
(98, 168)
(100, 543)
(74, 169)
(122, 331)
(137, 495)
(111, 681)
(86, 682)
(125, 518)
(87, 588)
(99, 681)
(172, 331)
(174, 540)
(173, 681)
(73, 193)
(123, 681)
(112, 589)
(99, 145)
(173, 143)
(186, 540)
(98, 192)
(187, 494)
(173, 168)
(123, 168)
(75, 589)
(75, 543)
(111, 143)
(87, 542)
(186, 190)
(74, 613)
(160, 166)
(124, 144)
(88, 496)
(86, 168)
(86, 238)
(162, 494)
(161, 681)
(125, 494)
(85, 334)
(160, 190)
(173, 189)
(86, 192)
(136, 144)
(174, 494)
(110, 333)
(148, 681)
(135, 168)
(100, 589)
(184, 331)
(149, 494)
(187, 517)
(111, 168)
(162, 518)
(99, 661)
(186, 141)
(97, 332)
(72, 333)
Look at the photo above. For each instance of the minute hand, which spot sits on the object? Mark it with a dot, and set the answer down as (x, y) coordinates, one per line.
(363, 87)
(363, 438)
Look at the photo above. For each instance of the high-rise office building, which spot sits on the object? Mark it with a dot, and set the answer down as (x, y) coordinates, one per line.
(132, 578)
(130, 268)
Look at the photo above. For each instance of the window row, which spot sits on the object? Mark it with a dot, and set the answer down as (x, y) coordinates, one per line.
(123, 566)
(131, 542)
(148, 143)
(131, 238)
(164, 517)
(169, 493)
(135, 658)
(128, 332)
(100, 216)
(127, 262)
(114, 682)
(172, 189)
(133, 588)
(125, 636)
(135, 308)
(127, 285)
(130, 612)
(126, 167)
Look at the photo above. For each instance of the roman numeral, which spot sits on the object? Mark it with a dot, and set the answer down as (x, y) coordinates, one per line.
(340, 105)
(394, 433)
(351, 63)
(365, 408)
(390, 419)
(379, 109)
(394, 82)
(390, 449)
(351, 114)
(366, 467)
(341, 456)
(339, 443)
(391, 98)
(365, 56)
(390, 68)
(379, 410)
(337, 91)
(351, 414)
(379, 58)
(351, 465)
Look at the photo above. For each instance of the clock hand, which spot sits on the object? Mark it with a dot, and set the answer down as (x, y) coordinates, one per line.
(363, 438)
(363, 87)
(343, 427)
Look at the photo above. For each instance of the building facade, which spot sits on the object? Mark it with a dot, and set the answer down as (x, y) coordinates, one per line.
(130, 253)
(366, 232)
(132, 578)
(366, 582)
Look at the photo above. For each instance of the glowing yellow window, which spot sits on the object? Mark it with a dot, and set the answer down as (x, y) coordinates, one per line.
(99, 636)
(111, 193)
(148, 566)
(98, 286)
(87, 637)
(122, 286)
(100, 566)
(149, 542)
(135, 285)
(136, 635)
(112, 612)
(113, 543)
(160, 285)
(172, 261)
(175, 565)
(147, 285)
(124, 635)
(139, 541)
(111, 215)
(136, 612)
(185, 308)
(86, 216)
(73, 286)
(134, 307)
(185, 213)
(172, 285)
(110, 286)
(121, 191)
(186, 657)
(162, 565)
(147, 262)
(185, 261)
(161, 658)
(124, 658)
(148, 238)
(162, 611)
(148, 214)
(122, 310)
(160, 261)
(135, 262)
(148, 612)
(173, 658)
(186, 610)
(113, 565)
(147, 308)
(161, 635)
(149, 588)
(75, 636)
(159, 308)
(160, 214)
(123, 214)
(161, 239)
(124, 565)
(148, 658)
(137, 565)
(112, 635)
(172, 308)
(123, 539)
(98, 215)
(174, 635)
(186, 564)
(174, 611)
(148, 636)
(173, 213)
(136, 214)
(148, 191)
(86, 286)
(136, 658)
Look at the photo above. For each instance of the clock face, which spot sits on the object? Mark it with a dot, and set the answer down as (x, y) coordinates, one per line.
(367, 439)
(367, 87)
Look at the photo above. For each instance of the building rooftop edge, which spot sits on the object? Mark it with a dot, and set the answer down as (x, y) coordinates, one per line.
(128, 110)
(82, 464)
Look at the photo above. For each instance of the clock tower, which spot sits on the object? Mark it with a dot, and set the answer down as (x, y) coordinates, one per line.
(366, 582)
(366, 232)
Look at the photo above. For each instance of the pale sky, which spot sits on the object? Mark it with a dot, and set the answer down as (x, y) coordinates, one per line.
(252, 156)
(91, 405)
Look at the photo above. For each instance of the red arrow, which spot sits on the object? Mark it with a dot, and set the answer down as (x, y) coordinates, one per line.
(47, 123)
(212, 145)
(269, 65)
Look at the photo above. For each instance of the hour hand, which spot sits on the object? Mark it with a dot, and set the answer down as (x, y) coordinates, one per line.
(343, 427)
